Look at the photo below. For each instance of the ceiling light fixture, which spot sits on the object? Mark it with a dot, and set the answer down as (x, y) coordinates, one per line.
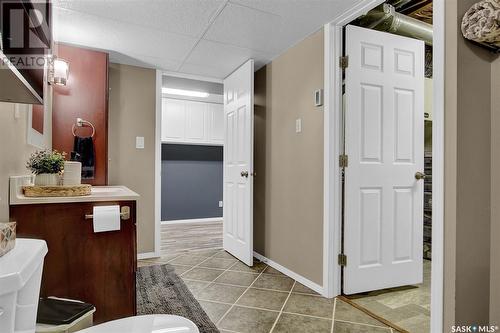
(182, 92)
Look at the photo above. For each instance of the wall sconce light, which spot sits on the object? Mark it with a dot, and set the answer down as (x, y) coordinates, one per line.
(58, 71)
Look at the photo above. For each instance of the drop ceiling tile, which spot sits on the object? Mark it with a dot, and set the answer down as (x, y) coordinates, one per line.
(204, 70)
(250, 28)
(143, 61)
(92, 31)
(302, 11)
(224, 56)
(187, 17)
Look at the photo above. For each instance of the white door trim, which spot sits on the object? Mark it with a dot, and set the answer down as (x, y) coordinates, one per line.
(332, 148)
(159, 79)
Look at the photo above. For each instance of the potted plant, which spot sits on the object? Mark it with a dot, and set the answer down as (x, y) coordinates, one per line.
(47, 165)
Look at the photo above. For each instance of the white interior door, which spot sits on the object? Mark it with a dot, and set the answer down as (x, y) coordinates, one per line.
(238, 163)
(385, 147)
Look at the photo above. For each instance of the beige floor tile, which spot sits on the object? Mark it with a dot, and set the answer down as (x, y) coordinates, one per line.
(223, 254)
(300, 288)
(202, 274)
(417, 324)
(265, 299)
(309, 305)
(270, 270)
(179, 269)
(344, 327)
(219, 263)
(187, 259)
(221, 293)
(246, 320)
(214, 310)
(346, 312)
(237, 278)
(274, 282)
(241, 267)
(196, 286)
(290, 323)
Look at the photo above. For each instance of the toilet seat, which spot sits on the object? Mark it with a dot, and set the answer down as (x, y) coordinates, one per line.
(145, 324)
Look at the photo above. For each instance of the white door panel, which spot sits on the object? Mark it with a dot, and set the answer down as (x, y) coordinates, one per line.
(238, 163)
(385, 144)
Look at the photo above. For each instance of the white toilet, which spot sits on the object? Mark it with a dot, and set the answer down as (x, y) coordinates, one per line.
(20, 278)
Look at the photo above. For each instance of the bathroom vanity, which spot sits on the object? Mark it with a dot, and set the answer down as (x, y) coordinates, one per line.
(97, 268)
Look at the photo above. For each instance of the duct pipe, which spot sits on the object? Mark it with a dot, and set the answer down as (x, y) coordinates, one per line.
(385, 18)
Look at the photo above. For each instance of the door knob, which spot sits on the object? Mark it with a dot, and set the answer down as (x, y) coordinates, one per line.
(420, 175)
(244, 174)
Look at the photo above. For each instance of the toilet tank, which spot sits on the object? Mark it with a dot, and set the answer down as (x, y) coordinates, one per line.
(20, 278)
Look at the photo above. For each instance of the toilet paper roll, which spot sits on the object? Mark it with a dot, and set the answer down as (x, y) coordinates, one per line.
(106, 218)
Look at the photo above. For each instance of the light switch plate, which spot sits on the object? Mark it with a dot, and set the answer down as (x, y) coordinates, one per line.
(139, 142)
(298, 125)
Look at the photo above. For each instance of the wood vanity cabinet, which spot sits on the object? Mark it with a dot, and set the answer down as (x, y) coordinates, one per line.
(98, 268)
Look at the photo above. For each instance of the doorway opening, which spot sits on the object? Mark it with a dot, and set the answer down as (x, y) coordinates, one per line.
(192, 140)
(386, 244)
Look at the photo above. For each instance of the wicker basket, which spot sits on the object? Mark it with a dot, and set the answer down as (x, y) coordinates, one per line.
(57, 191)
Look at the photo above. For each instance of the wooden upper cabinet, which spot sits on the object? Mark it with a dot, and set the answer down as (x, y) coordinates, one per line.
(192, 122)
(84, 96)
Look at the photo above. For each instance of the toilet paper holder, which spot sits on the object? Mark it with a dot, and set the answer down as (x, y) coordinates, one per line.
(124, 213)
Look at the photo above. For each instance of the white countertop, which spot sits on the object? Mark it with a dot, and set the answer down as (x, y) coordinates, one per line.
(99, 193)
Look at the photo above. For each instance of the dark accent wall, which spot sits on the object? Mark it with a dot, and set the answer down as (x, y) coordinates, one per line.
(191, 178)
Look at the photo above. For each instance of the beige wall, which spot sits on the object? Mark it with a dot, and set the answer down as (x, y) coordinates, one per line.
(14, 149)
(288, 194)
(495, 195)
(132, 105)
(469, 164)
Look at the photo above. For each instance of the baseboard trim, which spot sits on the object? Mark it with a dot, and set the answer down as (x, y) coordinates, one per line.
(147, 255)
(207, 220)
(306, 282)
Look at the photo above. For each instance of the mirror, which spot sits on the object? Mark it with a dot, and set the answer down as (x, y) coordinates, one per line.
(39, 120)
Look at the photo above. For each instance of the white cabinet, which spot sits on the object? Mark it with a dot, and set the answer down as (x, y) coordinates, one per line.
(216, 123)
(196, 118)
(192, 122)
(173, 119)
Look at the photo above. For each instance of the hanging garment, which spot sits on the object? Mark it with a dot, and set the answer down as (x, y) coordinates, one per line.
(481, 23)
(84, 153)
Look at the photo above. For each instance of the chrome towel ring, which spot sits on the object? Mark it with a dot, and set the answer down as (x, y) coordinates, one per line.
(80, 123)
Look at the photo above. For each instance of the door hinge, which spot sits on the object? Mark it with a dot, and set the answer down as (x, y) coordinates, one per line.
(343, 161)
(342, 259)
(344, 62)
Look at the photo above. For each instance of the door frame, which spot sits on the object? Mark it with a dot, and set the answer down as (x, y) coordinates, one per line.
(333, 134)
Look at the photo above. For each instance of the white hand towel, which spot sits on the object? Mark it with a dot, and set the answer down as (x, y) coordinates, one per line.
(106, 218)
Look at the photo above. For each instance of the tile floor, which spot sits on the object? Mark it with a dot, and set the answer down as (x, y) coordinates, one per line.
(408, 307)
(259, 299)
